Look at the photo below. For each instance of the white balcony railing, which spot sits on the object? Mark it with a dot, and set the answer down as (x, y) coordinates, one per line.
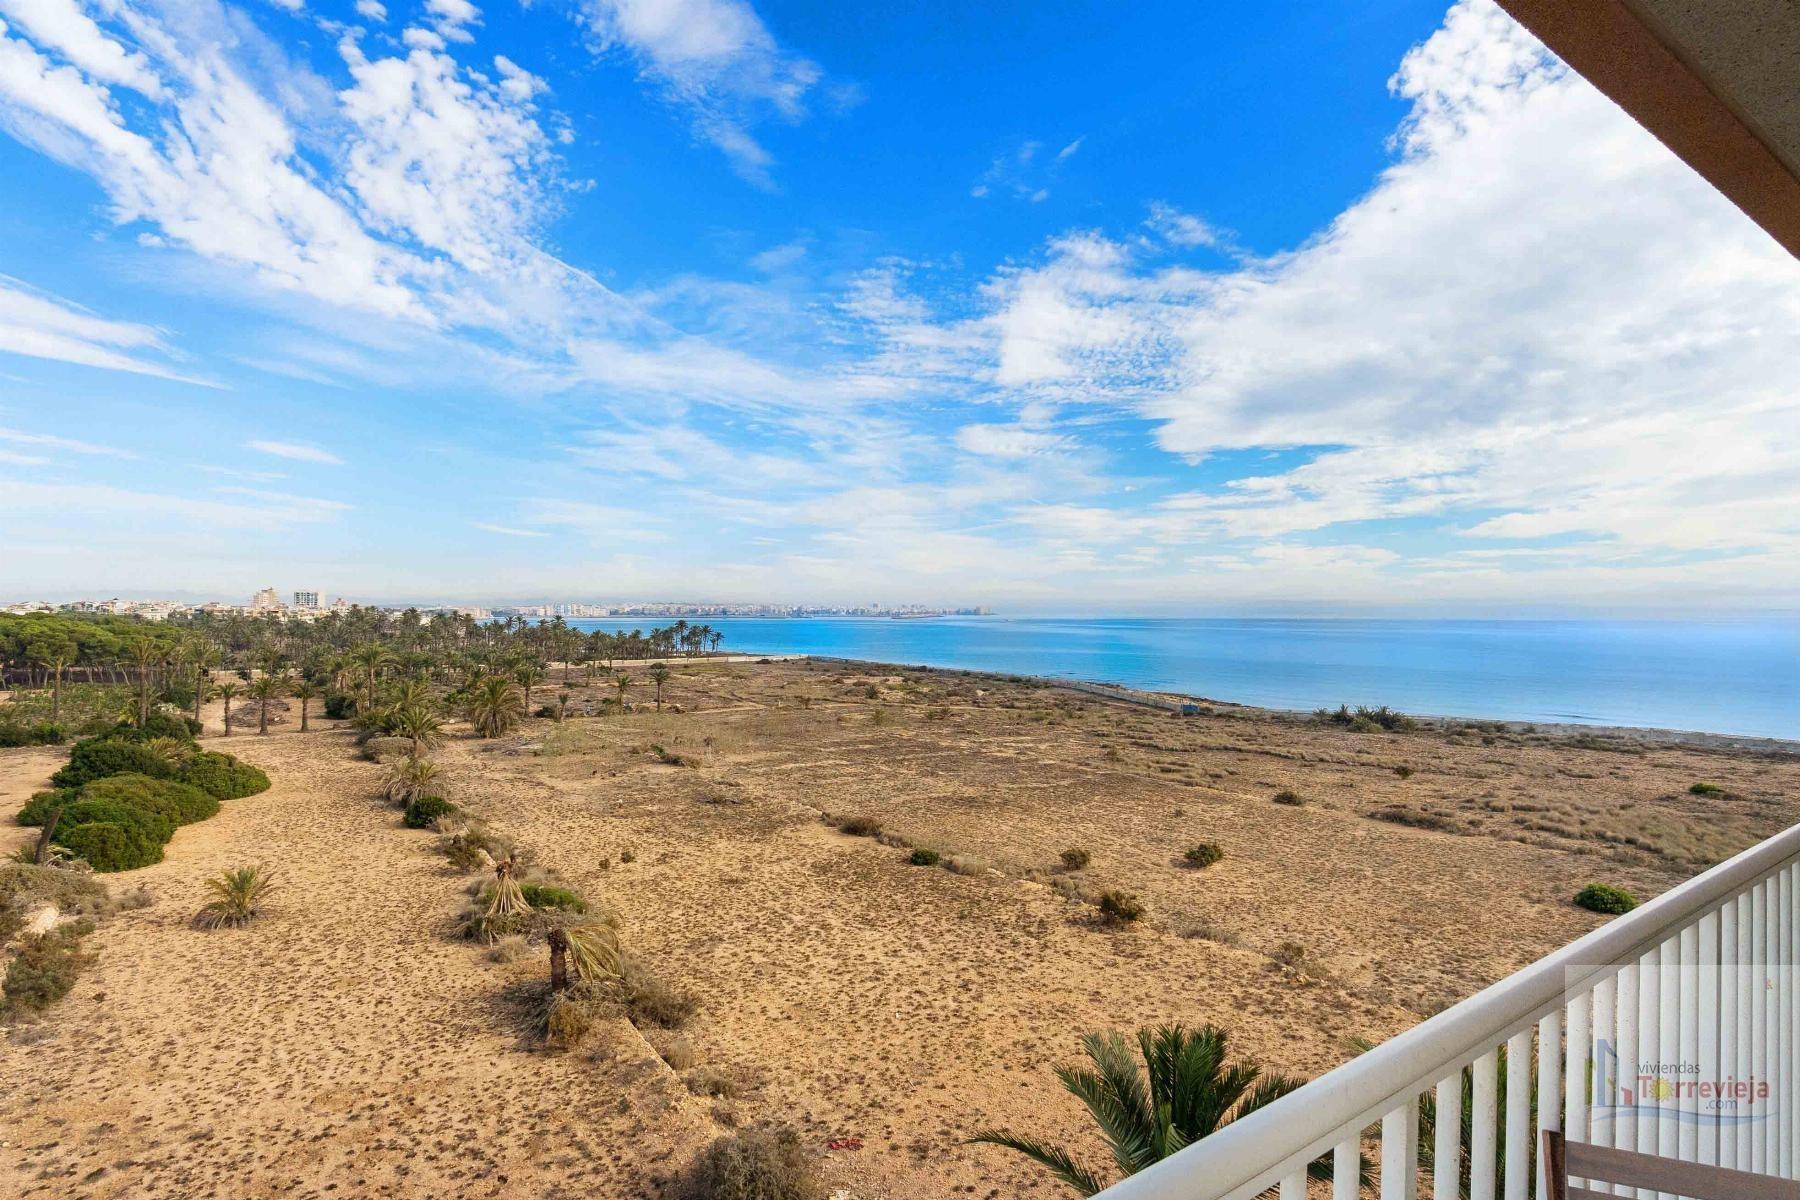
(1669, 1030)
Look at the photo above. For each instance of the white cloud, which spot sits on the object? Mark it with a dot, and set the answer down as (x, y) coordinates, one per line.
(1010, 441)
(509, 531)
(19, 437)
(372, 10)
(717, 57)
(40, 326)
(297, 451)
(62, 27)
(1183, 229)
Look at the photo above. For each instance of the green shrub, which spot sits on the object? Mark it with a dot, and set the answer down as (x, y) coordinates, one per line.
(426, 809)
(545, 895)
(37, 809)
(1367, 720)
(921, 857)
(757, 1164)
(162, 724)
(1203, 855)
(339, 706)
(224, 777)
(38, 733)
(45, 968)
(1707, 789)
(1604, 898)
(182, 803)
(1403, 771)
(108, 846)
(1291, 799)
(1120, 907)
(1076, 859)
(98, 757)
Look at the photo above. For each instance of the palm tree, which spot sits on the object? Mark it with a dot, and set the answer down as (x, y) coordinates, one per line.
(54, 651)
(409, 779)
(660, 674)
(369, 658)
(494, 706)
(205, 656)
(146, 653)
(263, 689)
(622, 681)
(417, 720)
(226, 691)
(1190, 1092)
(239, 896)
(305, 691)
(528, 674)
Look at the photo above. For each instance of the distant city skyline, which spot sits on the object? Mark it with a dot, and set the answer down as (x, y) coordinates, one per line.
(1149, 308)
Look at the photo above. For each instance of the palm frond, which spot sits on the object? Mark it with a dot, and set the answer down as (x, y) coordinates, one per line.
(1055, 1158)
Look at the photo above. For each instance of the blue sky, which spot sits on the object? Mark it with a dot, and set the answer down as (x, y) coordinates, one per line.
(1148, 308)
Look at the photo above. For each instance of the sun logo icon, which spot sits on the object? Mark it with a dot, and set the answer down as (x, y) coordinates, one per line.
(1662, 1089)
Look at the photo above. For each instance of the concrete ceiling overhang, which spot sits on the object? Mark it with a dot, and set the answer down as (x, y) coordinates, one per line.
(1718, 81)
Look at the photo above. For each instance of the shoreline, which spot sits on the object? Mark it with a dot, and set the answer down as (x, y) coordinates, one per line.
(1173, 701)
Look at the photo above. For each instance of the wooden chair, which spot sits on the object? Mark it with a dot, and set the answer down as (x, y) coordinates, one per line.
(1627, 1168)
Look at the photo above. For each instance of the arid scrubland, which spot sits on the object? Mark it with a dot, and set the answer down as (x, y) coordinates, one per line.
(873, 905)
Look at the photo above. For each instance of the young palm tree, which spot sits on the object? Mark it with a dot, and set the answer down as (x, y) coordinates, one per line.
(622, 681)
(238, 898)
(226, 691)
(419, 722)
(263, 689)
(305, 691)
(660, 674)
(409, 779)
(205, 656)
(494, 706)
(1184, 1091)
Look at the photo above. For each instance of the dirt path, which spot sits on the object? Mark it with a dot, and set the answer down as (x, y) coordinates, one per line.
(346, 1046)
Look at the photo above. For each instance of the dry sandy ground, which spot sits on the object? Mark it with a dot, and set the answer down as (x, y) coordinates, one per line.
(350, 1046)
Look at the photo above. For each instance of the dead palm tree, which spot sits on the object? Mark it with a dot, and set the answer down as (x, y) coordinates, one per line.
(1184, 1091)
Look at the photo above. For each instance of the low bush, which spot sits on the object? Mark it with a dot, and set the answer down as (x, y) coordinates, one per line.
(1367, 720)
(380, 749)
(97, 757)
(547, 895)
(649, 1000)
(1076, 859)
(423, 811)
(1291, 799)
(1120, 908)
(756, 1164)
(339, 706)
(37, 733)
(859, 826)
(921, 857)
(182, 803)
(224, 777)
(1604, 898)
(1403, 771)
(1203, 855)
(45, 968)
(110, 834)
(1707, 789)
(106, 846)
(1416, 818)
(23, 885)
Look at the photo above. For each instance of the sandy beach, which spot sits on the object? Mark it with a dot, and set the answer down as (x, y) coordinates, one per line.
(352, 1045)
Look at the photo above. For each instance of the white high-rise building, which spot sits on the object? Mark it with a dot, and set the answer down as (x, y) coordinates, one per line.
(306, 599)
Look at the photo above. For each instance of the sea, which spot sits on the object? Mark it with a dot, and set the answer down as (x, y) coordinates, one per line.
(1730, 677)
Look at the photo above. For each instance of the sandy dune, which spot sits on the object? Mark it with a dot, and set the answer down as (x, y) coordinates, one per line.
(350, 1046)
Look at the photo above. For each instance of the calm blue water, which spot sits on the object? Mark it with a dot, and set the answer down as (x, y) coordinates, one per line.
(1741, 678)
